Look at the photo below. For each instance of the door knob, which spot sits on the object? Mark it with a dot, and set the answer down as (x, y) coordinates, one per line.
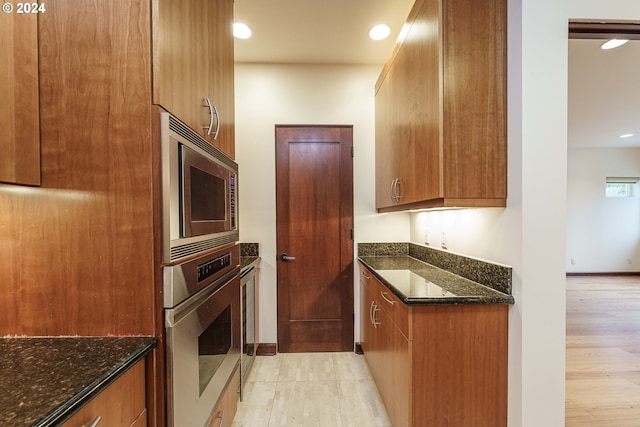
(286, 257)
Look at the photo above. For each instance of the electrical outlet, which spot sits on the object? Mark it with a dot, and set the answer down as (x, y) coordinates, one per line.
(573, 261)
(628, 260)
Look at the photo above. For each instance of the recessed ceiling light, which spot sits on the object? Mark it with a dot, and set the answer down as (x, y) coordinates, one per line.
(241, 31)
(626, 135)
(379, 32)
(613, 43)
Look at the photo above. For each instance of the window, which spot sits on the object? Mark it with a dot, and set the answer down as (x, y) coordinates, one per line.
(620, 186)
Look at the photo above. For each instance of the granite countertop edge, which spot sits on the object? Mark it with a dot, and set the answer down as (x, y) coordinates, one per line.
(497, 298)
(248, 262)
(70, 407)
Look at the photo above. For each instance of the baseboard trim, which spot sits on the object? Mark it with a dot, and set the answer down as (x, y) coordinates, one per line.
(359, 348)
(613, 273)
(267, 349)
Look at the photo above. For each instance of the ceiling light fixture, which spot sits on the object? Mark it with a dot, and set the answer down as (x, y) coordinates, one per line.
(379, 32)
(613, 43)
(241, 31)
(626, 135)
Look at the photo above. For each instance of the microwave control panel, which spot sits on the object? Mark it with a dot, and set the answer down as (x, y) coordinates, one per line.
(214, 266)
(232, 200)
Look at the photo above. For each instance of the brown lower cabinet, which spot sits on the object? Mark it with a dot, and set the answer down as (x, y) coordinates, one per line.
(435, 365)
(228, 406)
(120, 404)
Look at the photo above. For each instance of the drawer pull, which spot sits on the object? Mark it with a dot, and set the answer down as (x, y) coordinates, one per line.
(96, 421)
(372, 314)
(221, 419)
(387, 299)
(366, 277)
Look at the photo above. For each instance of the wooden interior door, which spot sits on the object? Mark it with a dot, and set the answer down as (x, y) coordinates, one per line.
(314, 208)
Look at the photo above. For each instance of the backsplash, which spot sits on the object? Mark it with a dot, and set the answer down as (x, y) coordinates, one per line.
(249, 249)
(495, 276)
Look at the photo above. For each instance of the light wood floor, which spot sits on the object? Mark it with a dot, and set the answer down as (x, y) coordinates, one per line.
(603, 351)
(311, 390)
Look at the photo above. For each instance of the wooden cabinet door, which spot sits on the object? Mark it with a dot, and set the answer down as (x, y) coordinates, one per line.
(394, 377)
(417, 73)
(193, 66)
(226, 410)
(474, 99)
(180, 59)
(220, 73)
(408, 140)
(19, 109)
(369, 337)
(386, 169)
(365, 315)
(399, 368)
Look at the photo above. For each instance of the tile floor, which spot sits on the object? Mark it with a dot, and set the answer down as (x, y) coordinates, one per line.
(311, 390)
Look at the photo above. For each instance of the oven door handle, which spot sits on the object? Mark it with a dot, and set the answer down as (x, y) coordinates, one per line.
(174, 315)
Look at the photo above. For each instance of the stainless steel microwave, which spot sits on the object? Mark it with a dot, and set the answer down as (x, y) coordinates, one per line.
(199, 192)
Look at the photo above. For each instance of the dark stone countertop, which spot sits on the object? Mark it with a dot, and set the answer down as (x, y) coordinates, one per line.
(417, 283)
(247, 262)
(45, 380)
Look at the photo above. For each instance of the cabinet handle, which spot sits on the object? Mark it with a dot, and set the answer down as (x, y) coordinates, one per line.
(375, 321)
(213, 112)
(393, 189)
(207, 103)
(218, 119)
(386, 299)
(395, 194)
(398, 195)
(366, 277)
(95, 422)
(371, 313)
(221, 419)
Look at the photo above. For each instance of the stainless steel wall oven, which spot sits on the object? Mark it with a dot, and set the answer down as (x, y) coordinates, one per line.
(202, 319)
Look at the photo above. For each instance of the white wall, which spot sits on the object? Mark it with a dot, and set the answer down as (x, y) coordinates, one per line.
(267, 95)
(603, 233)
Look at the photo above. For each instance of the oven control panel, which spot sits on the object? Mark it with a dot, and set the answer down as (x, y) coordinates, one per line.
(210, 268)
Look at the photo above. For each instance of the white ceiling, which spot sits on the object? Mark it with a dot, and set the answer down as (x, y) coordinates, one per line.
(604, 94)
(318, 31)
(604, 86)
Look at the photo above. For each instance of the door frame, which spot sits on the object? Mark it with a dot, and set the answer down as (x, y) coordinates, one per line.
(347, 249)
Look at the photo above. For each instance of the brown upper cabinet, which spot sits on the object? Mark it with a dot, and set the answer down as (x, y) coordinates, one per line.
(193, 66)
(441, 109)
(19, 109)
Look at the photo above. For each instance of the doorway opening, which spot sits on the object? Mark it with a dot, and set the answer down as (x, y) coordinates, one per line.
(602, 300)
